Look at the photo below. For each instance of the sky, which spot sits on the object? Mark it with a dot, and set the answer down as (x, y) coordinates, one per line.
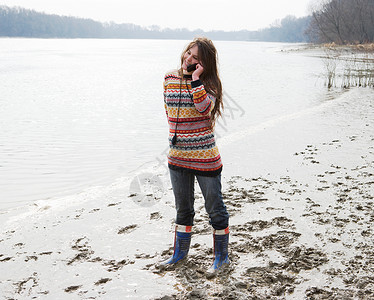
(227, 15)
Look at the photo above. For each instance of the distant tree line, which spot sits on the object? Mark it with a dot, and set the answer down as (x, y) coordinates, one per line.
(20, 22)
(290, 29)
(342, 21)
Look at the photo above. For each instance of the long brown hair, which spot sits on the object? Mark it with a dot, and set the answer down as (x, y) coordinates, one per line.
(208, 56)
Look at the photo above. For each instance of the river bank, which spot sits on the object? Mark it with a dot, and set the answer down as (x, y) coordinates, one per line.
(300, 195)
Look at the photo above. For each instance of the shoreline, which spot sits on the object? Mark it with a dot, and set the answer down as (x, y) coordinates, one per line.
(358, 48)
(300, 196)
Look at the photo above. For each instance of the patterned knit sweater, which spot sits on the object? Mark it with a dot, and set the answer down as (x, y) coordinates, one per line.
(195, 150)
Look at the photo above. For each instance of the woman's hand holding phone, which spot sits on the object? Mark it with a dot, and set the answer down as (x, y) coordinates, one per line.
(196, 74)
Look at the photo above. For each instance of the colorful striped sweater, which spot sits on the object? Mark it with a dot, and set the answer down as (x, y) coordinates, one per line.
(195, 150)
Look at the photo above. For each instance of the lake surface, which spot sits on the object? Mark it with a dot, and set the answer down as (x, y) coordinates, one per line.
(83, 113)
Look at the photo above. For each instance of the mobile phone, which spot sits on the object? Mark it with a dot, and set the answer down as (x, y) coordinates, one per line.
(191, 68)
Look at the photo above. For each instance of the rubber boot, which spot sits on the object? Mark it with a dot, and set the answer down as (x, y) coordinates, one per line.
(182, 243)
(221, 253)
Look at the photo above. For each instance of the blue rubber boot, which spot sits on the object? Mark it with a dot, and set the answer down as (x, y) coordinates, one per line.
(182, 243)
(221, 252)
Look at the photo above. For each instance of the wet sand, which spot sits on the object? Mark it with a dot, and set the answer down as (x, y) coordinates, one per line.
(300, 195)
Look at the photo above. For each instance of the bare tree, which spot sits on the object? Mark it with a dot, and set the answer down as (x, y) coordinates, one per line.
(342, 21)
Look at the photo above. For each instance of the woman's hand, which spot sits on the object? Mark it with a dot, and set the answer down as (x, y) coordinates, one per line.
(196, 74)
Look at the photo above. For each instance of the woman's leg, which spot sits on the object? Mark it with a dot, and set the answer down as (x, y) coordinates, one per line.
(183, 189)
(218, 218)
(211, 189)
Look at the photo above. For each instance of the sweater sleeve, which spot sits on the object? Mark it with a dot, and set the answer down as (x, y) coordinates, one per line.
(203, 101)
(165, 105)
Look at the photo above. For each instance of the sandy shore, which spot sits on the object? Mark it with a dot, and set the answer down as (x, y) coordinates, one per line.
(300, 194)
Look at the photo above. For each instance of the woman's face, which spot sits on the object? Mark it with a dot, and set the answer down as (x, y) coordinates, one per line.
(190, 57)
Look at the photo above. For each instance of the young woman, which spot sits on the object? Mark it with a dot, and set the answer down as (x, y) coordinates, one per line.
(193, 101)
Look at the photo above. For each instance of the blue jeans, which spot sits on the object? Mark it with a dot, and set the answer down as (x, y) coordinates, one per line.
(183, 188)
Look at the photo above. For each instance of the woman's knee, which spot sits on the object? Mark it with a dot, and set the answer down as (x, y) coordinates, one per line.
(219, 220)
